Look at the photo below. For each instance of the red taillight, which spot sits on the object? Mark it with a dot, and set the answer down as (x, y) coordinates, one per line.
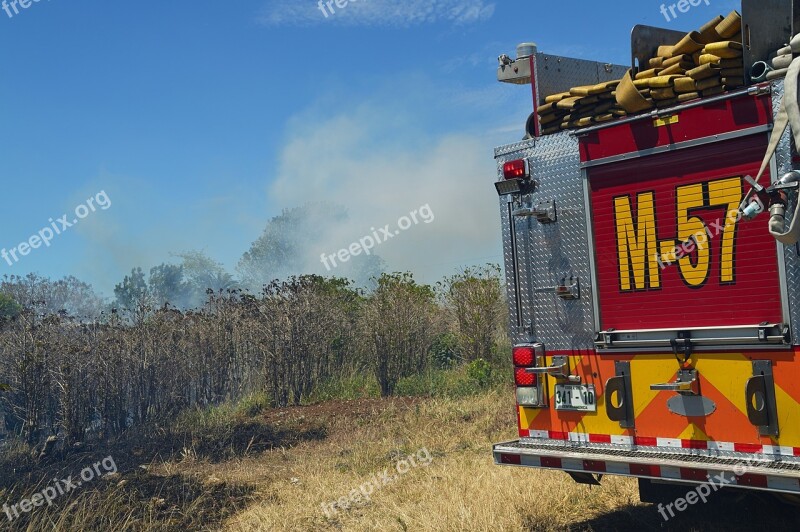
(524, 356)
(515, 169)
(523, 378)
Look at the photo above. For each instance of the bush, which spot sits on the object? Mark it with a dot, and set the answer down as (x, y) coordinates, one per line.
(480, 372)
(445, 352)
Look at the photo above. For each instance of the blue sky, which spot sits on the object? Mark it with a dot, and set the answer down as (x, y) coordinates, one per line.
(201, 120)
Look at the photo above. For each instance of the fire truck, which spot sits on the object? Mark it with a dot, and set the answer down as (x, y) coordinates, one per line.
(653, 289)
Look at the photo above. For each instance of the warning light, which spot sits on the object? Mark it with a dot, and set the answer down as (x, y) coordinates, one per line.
(516, 169)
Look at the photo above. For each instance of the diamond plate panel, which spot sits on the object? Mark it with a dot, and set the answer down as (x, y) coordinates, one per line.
(539, 257)
(556, 74)
(515, 252)
(784, 164)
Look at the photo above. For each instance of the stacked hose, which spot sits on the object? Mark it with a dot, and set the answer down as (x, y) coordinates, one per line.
(579, 107)
(704, 63)
(777, 67)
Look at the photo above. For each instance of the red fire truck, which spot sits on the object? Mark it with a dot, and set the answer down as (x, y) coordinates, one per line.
(655, 319)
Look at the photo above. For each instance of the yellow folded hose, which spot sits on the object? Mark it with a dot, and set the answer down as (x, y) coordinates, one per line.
(557, 97)
(662, 82)
(709, 83)
(687, 96)
(665, 51)
(628, 96)
(705, 71)
(568, 103)
(588, 90)
(731, 26)
(709, 58)
(688, 45)
(646, 74)
(733, 82)
(663, 94)
(724, 49)
(685, 58)
(685, 84)
(680, 68)
(708, 33)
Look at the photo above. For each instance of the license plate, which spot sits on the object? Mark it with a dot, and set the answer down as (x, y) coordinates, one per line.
(580, 398)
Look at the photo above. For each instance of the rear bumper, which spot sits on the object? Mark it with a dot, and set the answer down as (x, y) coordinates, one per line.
(773, 473)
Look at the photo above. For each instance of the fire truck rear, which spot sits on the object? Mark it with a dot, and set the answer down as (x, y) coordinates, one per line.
(654, 291)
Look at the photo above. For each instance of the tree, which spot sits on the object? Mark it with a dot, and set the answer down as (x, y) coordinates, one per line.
(167, 285)
(133, 292)
(474, 300)
(68, 295)
(9, 309)
(400, 319)
(287, 244)
(205, 274)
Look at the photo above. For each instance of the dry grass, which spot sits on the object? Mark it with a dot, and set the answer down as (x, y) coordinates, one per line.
(284, 488)
(460, 490)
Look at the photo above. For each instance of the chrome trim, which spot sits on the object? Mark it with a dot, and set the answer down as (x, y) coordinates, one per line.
(592, 249)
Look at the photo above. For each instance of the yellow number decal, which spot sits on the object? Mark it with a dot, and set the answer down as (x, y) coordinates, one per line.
(727, 192)
(692, 229)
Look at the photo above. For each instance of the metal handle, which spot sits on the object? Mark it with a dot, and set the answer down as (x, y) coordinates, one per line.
(687, 384)
(559, 369)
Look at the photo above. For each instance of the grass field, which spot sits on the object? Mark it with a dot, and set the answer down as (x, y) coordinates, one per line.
(249, 469)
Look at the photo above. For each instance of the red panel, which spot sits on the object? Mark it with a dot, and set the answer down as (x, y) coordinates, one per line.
(695, 123)
(511, 459)
(600, 438)
(645, 208)
(688, 473)
(748, 479)
(594, 465)
(748, 448)
(645, 470)
(694, 444)
(550, 461)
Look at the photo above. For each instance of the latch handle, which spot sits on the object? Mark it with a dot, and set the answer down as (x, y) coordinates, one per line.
(687, 384)
(559, 369)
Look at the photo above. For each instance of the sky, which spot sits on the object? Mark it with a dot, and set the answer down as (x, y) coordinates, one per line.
(199, 121)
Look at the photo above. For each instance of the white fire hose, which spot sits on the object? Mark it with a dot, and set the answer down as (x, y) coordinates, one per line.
(788, 116)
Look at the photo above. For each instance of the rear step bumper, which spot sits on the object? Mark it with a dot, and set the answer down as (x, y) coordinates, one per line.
(737, 470)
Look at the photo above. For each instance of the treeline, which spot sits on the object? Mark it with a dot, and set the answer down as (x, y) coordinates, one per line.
(93, 379)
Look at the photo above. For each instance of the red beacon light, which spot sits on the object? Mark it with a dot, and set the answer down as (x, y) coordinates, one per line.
(516, 178)
(516, 170)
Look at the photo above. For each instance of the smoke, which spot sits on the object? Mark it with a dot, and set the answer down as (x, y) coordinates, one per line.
(380, 175)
